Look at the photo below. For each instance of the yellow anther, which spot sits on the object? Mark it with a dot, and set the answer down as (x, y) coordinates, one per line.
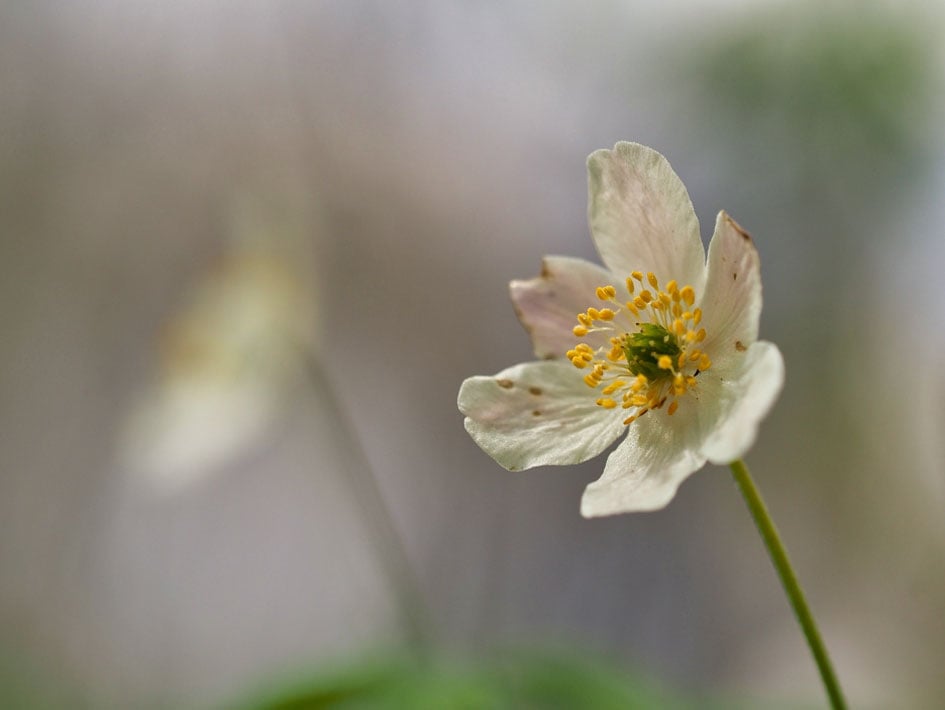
(696, 316)
(578, 363)
(672, 287)
(691, 381)
(606, 403)
(613, 387)
(584, 319)
(681, 360)
(639, 400)
(700, 336)
(677, 309)
(605, 293)
(629, 420)
(630, 286)
(665, 362)
(695, 355)
(704, 362)
(638, 275)
(651, 277)
(679, 384)
(631, 306)
(606, 314)
(678, 327)
(688, 294)
(593, 313)
(687, 315)
(639, 303)
(664, 297)
(673, 406)
(579, 330)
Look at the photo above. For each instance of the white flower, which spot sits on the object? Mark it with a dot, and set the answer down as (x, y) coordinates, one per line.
(230, 359)
(663, 349)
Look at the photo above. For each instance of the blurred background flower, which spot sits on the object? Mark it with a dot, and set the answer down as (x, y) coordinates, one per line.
(394, 165)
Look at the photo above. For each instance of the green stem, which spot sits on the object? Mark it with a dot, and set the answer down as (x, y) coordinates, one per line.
(389, 545)
(792, 587)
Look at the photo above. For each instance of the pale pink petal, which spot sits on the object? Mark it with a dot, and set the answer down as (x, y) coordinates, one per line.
(742, 401)
(548, 304)
(731, 305)
(641, 216)
(536, 414)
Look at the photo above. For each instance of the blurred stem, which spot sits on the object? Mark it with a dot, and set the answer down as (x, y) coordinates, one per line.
(388, 543)
(769, 533)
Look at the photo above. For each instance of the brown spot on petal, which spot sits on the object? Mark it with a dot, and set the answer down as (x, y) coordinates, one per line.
(734, 276)
(505, 384)
(745, 235)
(536, 413)
(739, 346)
(545, 271)
(535, 390)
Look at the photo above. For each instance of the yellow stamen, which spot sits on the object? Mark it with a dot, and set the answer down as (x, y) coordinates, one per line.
(616, 368)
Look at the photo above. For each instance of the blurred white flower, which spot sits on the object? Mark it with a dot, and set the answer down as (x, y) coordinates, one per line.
(669, 353)
(228, 362)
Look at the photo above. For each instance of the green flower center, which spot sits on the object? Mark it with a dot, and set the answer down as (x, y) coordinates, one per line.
(644, 348)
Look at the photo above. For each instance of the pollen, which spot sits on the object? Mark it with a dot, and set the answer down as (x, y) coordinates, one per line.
(648, 339)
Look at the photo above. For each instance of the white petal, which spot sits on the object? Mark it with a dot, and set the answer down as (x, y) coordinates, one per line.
(548, 304)
(644, 472)
(731, 305)
(742, 402)
(641, 216)
(536, 414)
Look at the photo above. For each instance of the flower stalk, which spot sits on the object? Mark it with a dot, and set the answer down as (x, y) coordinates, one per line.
(389, 546)
(779, 558)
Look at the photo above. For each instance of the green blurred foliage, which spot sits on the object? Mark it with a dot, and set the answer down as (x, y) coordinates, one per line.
(520, 681)
(832, 90)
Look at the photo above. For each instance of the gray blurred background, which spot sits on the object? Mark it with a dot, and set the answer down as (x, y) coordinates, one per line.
(195, 194)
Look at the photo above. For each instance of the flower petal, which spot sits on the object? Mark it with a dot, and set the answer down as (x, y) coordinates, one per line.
(744, 399)
(547, 305)
(642, 473)
(641, 216)
(731, 304)
(536, 414)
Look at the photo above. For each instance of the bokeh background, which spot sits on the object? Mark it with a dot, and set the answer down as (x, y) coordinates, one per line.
(249, 251)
